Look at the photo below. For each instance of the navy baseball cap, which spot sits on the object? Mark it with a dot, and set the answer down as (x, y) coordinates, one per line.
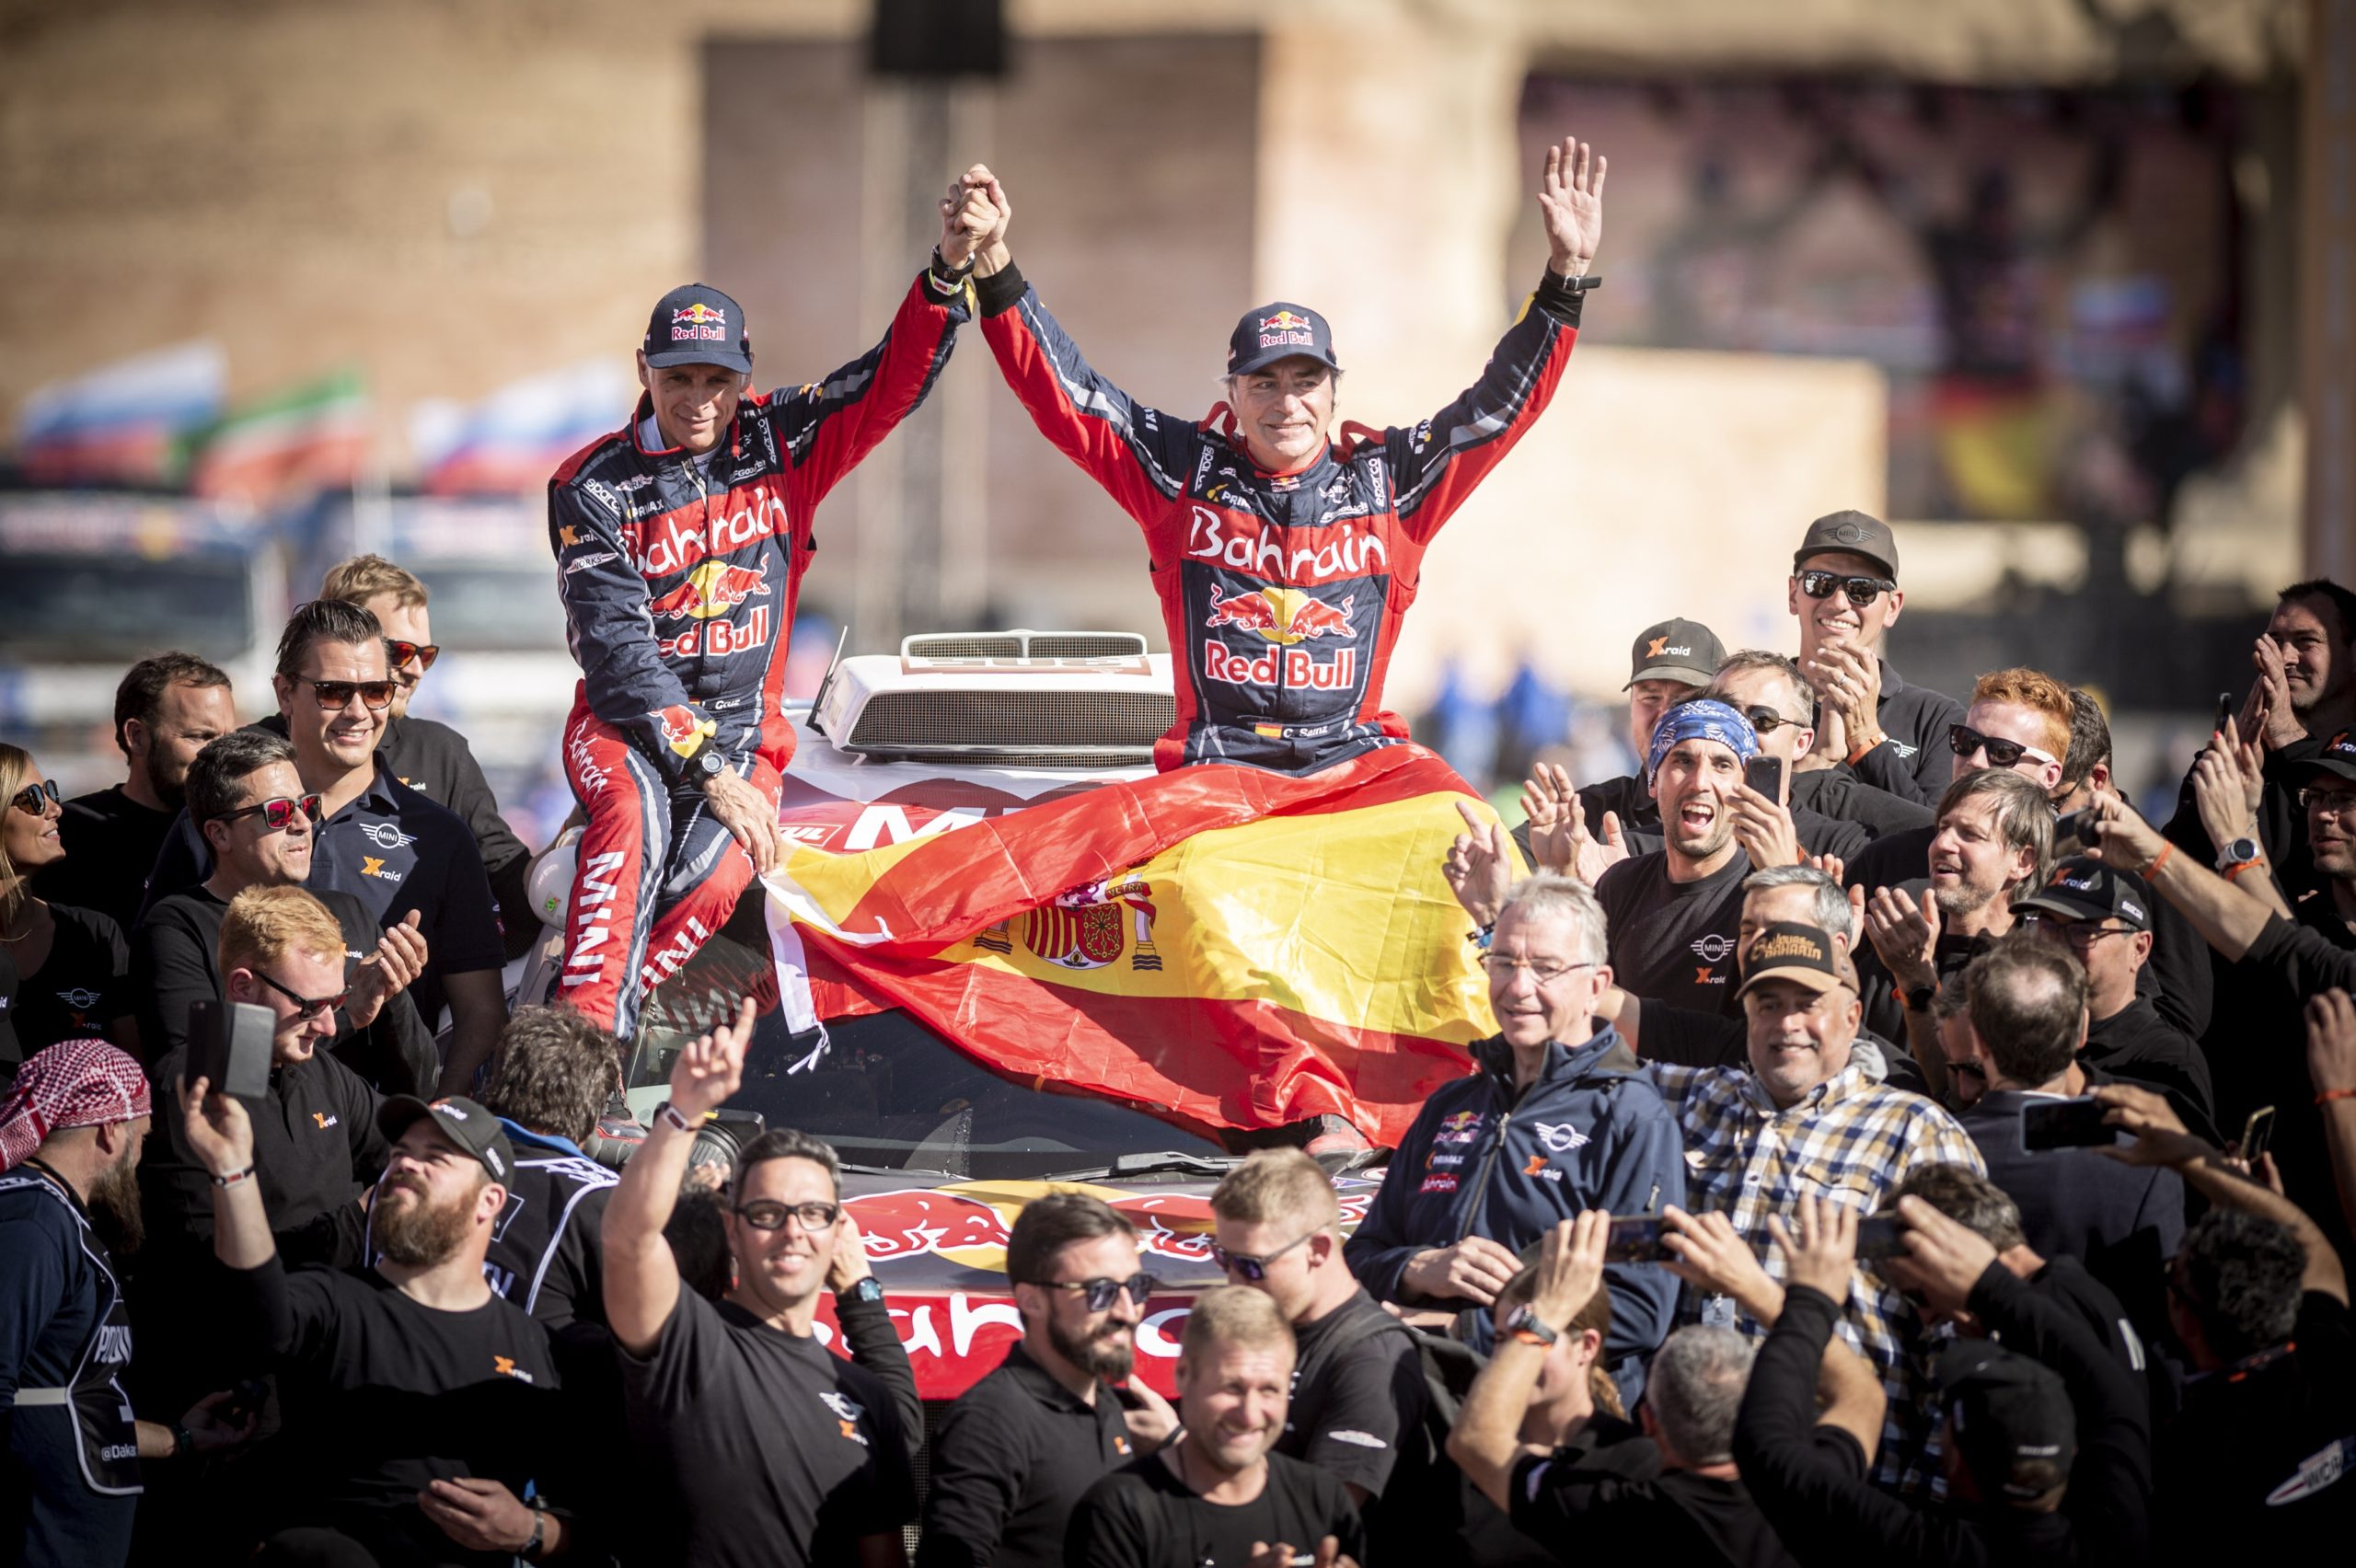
(1276, 332)
(696, 324)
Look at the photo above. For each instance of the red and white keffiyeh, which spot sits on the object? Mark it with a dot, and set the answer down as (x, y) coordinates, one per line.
(75, 1083)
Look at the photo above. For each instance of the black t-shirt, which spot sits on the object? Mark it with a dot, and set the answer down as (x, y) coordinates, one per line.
(757, 1447)
(383, 1394)
(1012, 1457)
(1837, 792)
(1603, 1497)
(2137, 1044)
(80, 989)
(1672, 942)
(111, 843)
(2260, 1464)
(1358, 1397)
(1142, 1515)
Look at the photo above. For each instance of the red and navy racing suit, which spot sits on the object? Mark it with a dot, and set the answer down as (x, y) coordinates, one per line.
(1283, 594)
(679, 578)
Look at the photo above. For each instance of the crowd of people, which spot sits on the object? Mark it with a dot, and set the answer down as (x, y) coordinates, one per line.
(1893, 1144)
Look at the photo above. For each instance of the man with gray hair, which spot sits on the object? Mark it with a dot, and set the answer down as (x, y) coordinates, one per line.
(1560, 1117)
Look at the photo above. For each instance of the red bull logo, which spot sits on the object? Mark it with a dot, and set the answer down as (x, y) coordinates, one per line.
(1285, 321)
(1252, 610)
(701, 314)
(699, 323)
(712, 589)
(682, 731)
(719, 639)
(1291, 667)
(1282, 614)
(914, 1220)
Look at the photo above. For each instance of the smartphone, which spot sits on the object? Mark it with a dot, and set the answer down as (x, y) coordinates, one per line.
(2224, 725)
(1765, 774)
(2075, 834)
(1635, 1239)
(2256, 1132)
(1880, 1236)
(229, 1043)
(2066, 1124)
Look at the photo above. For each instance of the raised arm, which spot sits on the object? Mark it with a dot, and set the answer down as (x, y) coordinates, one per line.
(1487, 1440)
(2228, 918)
(2331, 1065)
(1439, 461)
(641, 1277)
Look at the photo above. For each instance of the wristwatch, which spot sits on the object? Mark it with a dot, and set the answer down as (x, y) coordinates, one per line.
(531, 1552)
(1920, 997)
(2240, 852)
(866, 1289)
(1526, 1326)
(708, 764)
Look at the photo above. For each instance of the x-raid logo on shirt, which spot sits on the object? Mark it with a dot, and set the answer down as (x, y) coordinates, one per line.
(323, 1119)
(373, 866)
(1539, 1169)
(504, 1365)
(847, 1412)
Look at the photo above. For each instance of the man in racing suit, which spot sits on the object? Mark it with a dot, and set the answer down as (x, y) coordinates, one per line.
(680, 543)
(1283, 560)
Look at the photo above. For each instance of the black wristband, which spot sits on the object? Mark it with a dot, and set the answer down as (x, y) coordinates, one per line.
(1001, 291)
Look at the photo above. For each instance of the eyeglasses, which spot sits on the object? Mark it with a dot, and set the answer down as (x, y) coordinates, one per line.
(2329, 802)
(34, 800)
(1766, 720)
(767, 1215)
(1862, 591)
(1969, 1069)
(1254, 1270)
(339, 694)
(1501, 967)
(276, 812)
(401, 653)
(1101, 1292)
(2080, 934)
(1963, 740)
(306, 1007)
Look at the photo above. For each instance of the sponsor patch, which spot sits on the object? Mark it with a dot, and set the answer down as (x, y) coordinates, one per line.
(1358, 1439)
(1559, 1138)
(1438, 1184)
(387, 835)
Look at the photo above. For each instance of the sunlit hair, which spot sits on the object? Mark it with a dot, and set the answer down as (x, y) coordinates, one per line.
(1694, 1388)
(556, 1070)
(2089, 738)
(1761, 658)
(2024, 816)
(265, 924)
(2027, 1001)
(2041, 695)
(363, 576)
(1595, 1314)
(1833, 910)
(15, 772)
(1965, 1196)
(1046, 1226)
(1233, 1316)
(1279, 1186)
(1550, 896)
(324, 621)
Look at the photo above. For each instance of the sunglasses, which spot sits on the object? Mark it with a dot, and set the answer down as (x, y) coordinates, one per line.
(1101, 1292)
(1254, 1270)
(306, 1007)
(1963, 740)
(339, 694)
(765, 1215)
(1862, 591)
(1766, 720)
(278, 813)
(34, 800)
(401, 653)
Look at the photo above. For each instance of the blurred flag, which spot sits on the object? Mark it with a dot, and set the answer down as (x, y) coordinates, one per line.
(308, 439)
(514, 439)
(122, 423)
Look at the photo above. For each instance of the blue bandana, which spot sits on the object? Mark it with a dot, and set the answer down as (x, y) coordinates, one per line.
(1700, 719)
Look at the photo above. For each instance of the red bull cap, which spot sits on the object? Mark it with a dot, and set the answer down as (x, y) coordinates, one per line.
(1276, 332)
(696, 324)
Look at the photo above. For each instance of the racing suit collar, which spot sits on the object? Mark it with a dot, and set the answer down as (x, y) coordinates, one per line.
(1221, 423)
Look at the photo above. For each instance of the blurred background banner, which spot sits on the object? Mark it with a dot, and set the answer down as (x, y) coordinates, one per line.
(2062, 289)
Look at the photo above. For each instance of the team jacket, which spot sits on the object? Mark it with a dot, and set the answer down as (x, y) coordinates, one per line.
(1283, 594)
(1484, 1160)
(679, 576)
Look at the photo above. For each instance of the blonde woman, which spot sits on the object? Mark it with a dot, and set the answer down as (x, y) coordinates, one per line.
(71, 967)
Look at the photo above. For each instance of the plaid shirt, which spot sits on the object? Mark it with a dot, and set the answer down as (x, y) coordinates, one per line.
(1850, 1139)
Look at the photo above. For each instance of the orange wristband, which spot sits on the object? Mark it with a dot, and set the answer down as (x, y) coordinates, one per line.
(2233, 872)
(2330, 1094)
(2167, 847)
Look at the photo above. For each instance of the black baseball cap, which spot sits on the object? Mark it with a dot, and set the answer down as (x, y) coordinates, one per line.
(462, 1121)
(2083, 888)
(696, 324)
(1788, 950)
(1850, 533)
(2337, 759)
(2007, 1411)
(1675, 650)
(1278, 331)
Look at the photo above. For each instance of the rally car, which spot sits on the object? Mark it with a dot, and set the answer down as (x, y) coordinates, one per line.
(941, 1149)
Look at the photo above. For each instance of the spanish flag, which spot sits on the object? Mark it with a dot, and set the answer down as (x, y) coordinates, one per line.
(1232, 947)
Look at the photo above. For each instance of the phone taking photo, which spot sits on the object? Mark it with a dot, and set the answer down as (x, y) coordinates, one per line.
(2256, 1132)
(1765, 774)
(2078, 1123)
(2226, 716)
(2075, 834)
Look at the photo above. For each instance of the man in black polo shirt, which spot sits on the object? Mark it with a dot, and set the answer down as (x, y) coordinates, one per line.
(2104, 918)
(758, 1445)
(1358, 1400)
(2026, 1001)
(239, 786)
(167, 710)
(1017, 1448)
(1844, 592)
(378, 839)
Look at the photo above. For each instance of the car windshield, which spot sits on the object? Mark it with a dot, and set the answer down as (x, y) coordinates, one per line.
(107, 609)
(885, 1091)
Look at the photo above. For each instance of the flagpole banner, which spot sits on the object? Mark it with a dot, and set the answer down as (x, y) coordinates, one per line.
(1232, 947)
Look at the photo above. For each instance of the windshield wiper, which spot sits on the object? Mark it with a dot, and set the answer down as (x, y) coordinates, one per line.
(1167, 1163)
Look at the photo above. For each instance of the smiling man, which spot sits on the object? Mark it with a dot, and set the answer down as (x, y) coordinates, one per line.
(1224, 1495)
(1284, 558)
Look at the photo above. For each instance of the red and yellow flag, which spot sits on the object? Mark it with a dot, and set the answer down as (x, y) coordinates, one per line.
(1241, 948)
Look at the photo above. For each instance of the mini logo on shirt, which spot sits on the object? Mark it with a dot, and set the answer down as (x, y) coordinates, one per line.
(373, 866)
(1902, 749)
(387, 835)
(78, 999)
(2324, 1468)
(847, 1412)
(325, 1119)
(1713, 948)
(505, 1366)
(1559, 1138)
(1361, 1439)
